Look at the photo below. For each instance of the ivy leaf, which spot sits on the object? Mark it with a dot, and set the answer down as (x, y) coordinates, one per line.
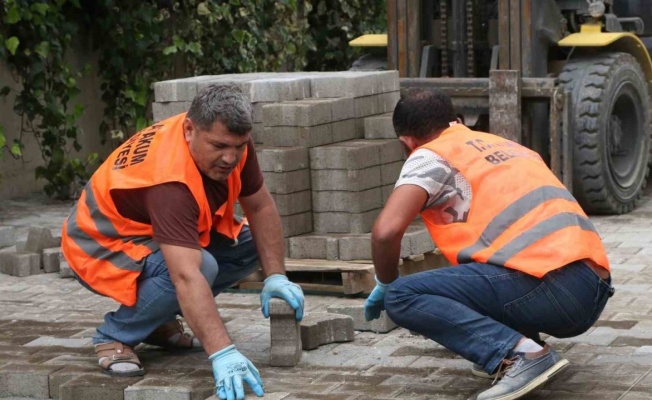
(12, 15)
(15, 149)
(43, 49)
(12, 44)
(169, 50)
(141, 124)
(238, 34)
(41, 8)
(202, 9)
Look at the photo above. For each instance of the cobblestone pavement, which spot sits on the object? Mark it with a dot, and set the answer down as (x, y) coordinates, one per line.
(46, 323)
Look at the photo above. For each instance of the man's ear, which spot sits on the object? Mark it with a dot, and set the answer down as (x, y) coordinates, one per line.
(188, 129)
(411, 142)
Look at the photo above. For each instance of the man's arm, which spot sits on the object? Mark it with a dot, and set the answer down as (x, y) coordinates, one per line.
(402, 207)
(195, 297)
(266, 229)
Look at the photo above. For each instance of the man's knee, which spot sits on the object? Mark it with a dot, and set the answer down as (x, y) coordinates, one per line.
(209, 267)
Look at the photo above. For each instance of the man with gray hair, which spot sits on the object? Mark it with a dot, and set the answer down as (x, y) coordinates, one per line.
(155, 230)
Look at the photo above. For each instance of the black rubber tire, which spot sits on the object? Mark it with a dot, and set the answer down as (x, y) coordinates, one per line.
(370, 62)
(611, 131)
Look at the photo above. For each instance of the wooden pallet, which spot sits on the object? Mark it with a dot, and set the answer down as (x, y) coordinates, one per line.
(327, 276)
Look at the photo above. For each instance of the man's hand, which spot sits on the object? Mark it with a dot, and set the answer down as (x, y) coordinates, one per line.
(375, 303)
(278, 285)
(230, 369)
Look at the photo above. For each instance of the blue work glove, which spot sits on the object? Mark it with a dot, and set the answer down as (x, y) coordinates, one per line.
(375, 303)
(230, 369)
(278, 285)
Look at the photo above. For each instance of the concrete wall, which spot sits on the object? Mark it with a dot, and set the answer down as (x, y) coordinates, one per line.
(17, 176)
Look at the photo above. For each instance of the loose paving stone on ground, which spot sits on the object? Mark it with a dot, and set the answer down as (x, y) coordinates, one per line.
(46, 324)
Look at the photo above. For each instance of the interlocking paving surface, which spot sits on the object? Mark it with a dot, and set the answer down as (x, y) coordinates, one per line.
(46, 323)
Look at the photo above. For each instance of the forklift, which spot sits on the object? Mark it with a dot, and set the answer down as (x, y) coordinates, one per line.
(570, 79)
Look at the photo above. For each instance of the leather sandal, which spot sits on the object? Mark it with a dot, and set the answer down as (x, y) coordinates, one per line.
(172, 336)
(114, 353)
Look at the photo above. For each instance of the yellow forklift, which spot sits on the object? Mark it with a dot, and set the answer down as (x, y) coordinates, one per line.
(570, 79)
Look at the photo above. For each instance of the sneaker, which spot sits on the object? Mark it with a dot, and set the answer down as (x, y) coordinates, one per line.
(523, 373)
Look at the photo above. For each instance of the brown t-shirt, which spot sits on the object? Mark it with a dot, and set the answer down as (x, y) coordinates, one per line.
(172, 210)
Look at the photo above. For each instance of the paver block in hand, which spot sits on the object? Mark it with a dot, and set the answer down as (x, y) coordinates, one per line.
(285, 334)
(380, 325)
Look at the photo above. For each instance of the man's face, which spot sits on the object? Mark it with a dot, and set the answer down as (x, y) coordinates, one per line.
(216, 151)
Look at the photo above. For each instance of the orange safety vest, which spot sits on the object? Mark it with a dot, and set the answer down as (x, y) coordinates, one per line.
(521, 216)
(107, 250)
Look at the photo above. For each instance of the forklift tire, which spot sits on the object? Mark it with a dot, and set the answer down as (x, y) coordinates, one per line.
(370, 62)
(611, 131)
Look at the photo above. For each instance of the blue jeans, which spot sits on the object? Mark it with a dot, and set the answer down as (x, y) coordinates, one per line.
(222, 266)
(481, 311)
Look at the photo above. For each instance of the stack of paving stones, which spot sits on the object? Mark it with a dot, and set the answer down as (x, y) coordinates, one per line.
(40, 253)
(327, 148)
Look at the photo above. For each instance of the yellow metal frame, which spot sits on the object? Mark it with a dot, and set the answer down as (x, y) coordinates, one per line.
(591, 35)
(375, 40)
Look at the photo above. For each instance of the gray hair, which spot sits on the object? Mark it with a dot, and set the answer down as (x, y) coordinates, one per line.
(225, 103)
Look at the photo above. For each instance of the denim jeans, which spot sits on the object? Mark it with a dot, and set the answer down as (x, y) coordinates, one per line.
(480, 311)
(156, 304)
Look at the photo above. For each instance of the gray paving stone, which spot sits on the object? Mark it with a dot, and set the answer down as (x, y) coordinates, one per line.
(350, 155)
(285, 334)
(52, 259)
(20, 263)
(343, 222)
(344, 130)
(282, 159)
(389, 173)
(167, 389)
(379, 127)
(366, 106)
(344, 201)
(297, 224)
(49, 341)
(161, 111)
(348, 180)
(322, 247)
(64, 270)
(7, 236)
(288, 182)
(324, 328)
(23, 380)
(307, 112)
(292, 136)
(380, 325)
(293, 203)
(387, 101)
(39, 238)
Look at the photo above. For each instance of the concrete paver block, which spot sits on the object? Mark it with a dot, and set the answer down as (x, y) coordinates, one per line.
(20, 263)
(288, 182)
(366, 106)
(381, 325)
(387, 101)
(379, 127)
(391, 151)
(285, 334)
(52, 259)
(175, 90)
(307, 112)
(344, 85)
(64, 270)
(323, 328)
(161, 111)
(355, 247)
(389, 173)
(168, 389)
(49, 341)
(343, 201)
(293, 203)
(342, 108)
(343, 222)
(322, 247)
(96, 387)
(386, 191)
(7, 236)
(292, 136)
(297, 224)
(258, 110)
(282, 159)
(23, 380)
(39, 238)
(347, 180)
(416, 240)
(344, 130)
(58, 378)
(351, 155)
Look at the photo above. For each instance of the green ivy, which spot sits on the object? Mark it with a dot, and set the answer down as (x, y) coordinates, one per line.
(36, 36)
(141, 42)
